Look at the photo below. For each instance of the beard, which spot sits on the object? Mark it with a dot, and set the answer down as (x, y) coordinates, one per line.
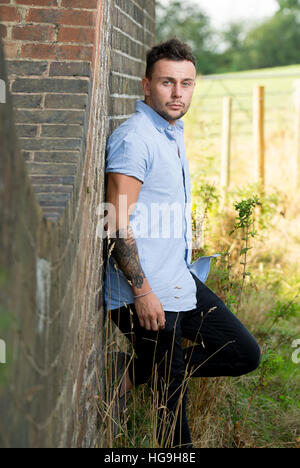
(168, 116)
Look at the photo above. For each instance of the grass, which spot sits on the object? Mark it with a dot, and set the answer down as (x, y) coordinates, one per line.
(260, 409)
(6, 324)
(272, 414)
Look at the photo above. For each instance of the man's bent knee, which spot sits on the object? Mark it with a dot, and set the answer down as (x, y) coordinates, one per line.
(251, 361)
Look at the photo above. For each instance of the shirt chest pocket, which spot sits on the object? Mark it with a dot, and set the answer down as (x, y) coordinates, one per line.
(166, 178)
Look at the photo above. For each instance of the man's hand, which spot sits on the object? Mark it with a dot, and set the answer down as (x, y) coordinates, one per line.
(150, 312)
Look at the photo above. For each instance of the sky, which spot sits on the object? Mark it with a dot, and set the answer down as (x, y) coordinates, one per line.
(224, 11)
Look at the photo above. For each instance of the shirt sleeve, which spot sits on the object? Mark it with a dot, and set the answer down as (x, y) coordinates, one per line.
(128, 154)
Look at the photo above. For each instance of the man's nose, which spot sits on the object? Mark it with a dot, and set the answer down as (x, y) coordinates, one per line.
(176, 92)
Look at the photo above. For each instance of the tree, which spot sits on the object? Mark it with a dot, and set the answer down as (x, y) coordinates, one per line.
(274, 42)
(270, 43)
(233, 56)
(191, 25)
(290, 5)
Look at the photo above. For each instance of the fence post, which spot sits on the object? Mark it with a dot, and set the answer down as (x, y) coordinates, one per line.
(297, 134)
(226, 147)
(259, 134)
(2, 352)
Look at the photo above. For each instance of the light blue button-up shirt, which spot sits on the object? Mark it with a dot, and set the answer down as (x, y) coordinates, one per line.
(148, 148)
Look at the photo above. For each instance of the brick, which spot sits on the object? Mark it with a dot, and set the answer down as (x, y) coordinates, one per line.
(53, 211)
(69, 34)
(129, 27)
(9, 14)
(56, 157)
(53, 189)
(149, 24)
(141, 3)
(49, 144)
(25, 67)
(126, 65)
(51, 180)
(149, 38)
(49, 199)
(60, 131)
(70, 69)
(28, 131)
(131, 9)
(122, 85)
(3, 31)
(61, 101)
(150, 8)
(122, 106)
(39, 51)
(44, 85)
(67, 17)
(34, 33)
(72, 117)
(11, 49)
(74, 52)
(52, 169)
(127, 45)
(88, 4)
(56, 52)
(48, 3)
(26, 101)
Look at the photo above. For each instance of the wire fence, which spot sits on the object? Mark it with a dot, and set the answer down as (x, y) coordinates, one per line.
(231, 130)
(280, 90)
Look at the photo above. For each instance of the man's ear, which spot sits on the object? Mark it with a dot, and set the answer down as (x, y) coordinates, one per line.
(146, 86)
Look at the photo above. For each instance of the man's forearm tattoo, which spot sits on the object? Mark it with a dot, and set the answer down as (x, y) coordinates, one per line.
(125, 252)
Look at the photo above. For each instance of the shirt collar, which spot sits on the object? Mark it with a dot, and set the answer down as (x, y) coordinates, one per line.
(159, 122)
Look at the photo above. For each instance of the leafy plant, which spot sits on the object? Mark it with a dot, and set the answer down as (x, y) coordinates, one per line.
(283, 311)
(244, 222)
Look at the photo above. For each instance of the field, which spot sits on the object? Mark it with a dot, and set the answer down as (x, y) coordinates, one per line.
(245, 412)
(204, 120)
(257, 275)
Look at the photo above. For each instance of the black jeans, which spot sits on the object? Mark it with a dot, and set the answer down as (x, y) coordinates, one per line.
(223, 347)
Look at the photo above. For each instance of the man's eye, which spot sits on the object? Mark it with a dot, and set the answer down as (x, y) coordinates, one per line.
(166, 82)
(187, 83)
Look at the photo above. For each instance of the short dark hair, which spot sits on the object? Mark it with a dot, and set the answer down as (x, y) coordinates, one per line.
(173, 49)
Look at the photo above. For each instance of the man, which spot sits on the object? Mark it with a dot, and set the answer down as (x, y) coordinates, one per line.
(151, 289)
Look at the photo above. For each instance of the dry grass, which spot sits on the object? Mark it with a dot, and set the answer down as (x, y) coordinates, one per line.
(237, 412)
(270, 416)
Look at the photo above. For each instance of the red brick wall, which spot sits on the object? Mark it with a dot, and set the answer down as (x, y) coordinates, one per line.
(49, 48)
(51, 23)
(73, 72)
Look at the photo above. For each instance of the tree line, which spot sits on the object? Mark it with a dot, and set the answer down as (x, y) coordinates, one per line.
(271, 42)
